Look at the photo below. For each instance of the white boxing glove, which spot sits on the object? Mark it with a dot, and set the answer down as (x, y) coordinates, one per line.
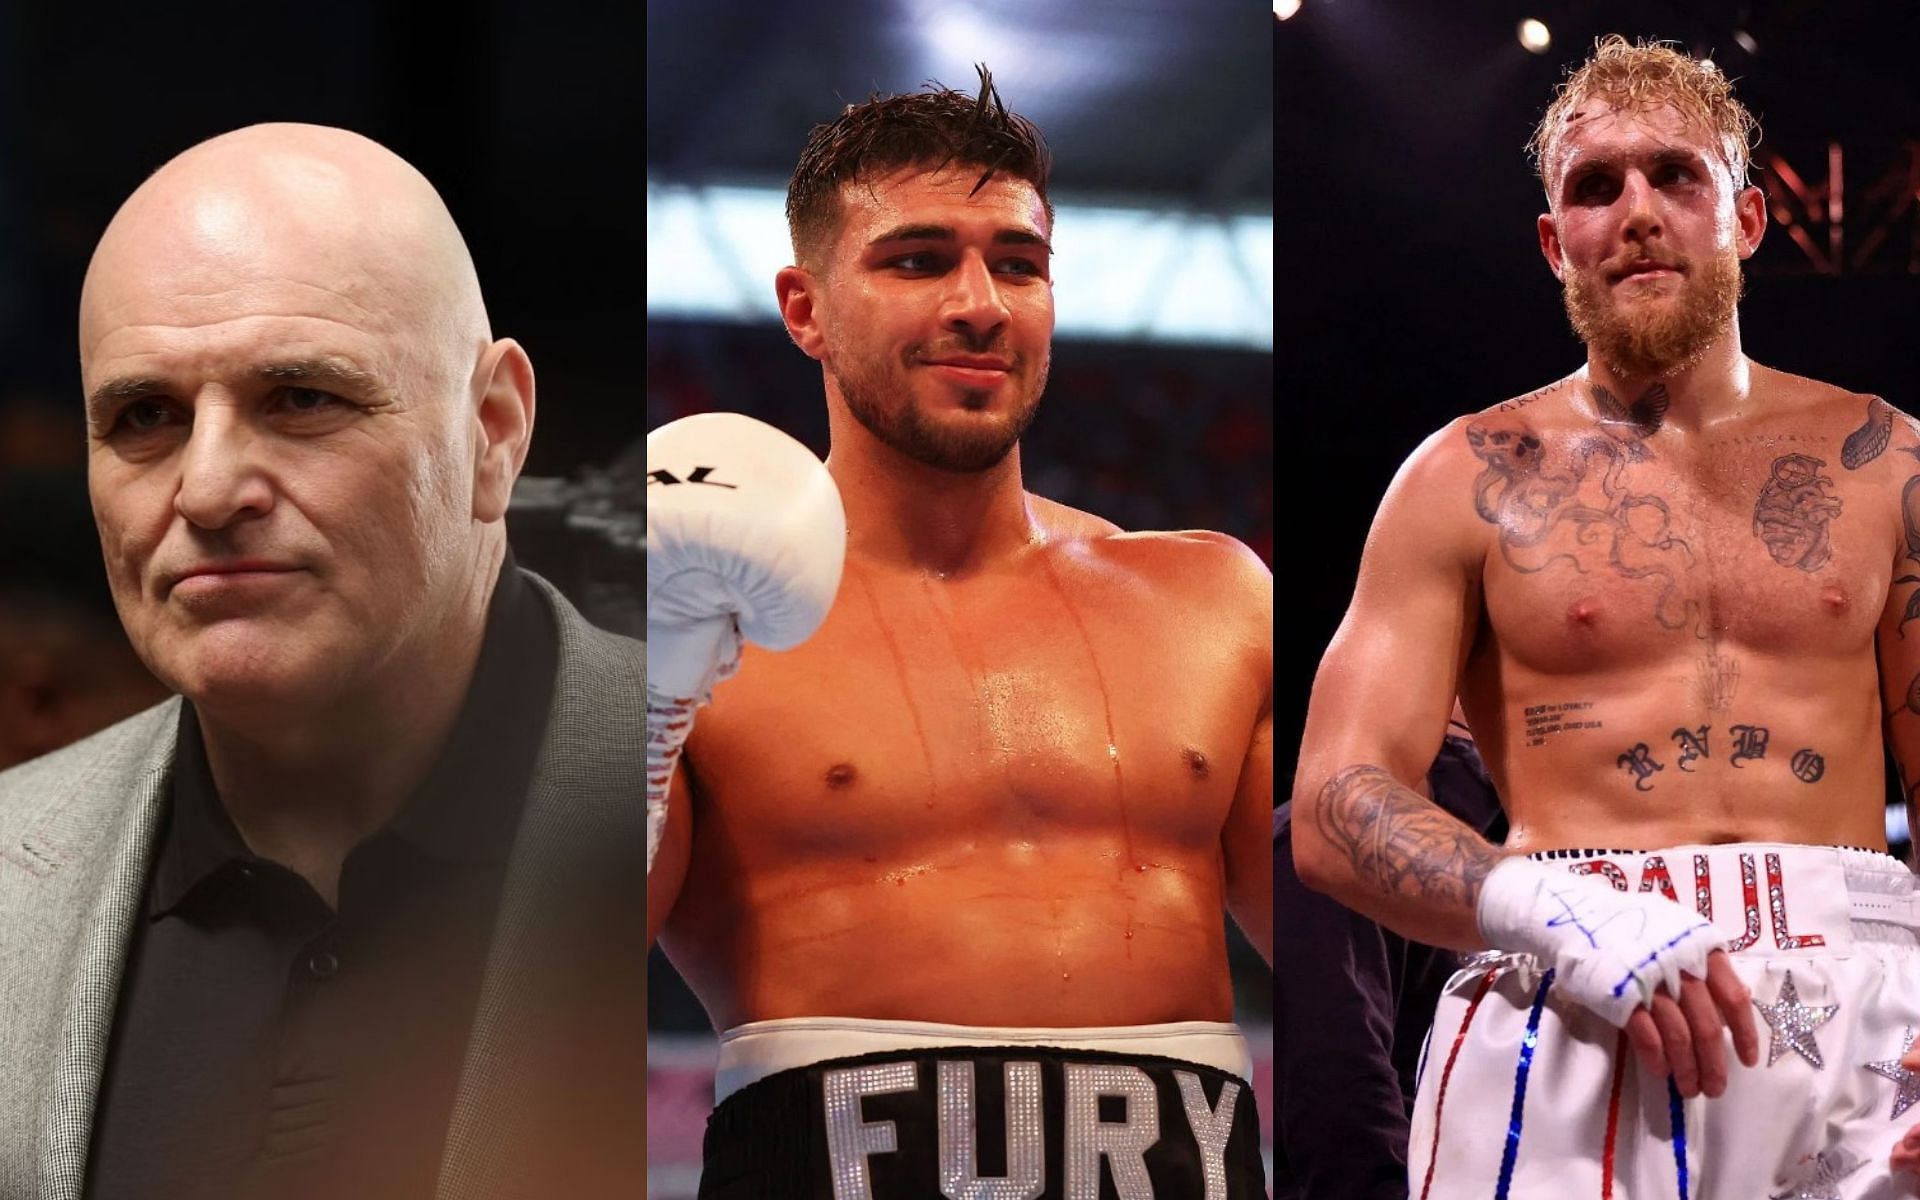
(1609, 949)
(746, 537)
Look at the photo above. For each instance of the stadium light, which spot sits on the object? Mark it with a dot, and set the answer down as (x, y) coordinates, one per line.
(1535, 36)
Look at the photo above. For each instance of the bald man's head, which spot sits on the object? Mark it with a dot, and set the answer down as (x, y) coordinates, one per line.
(325, 207)
(287, 362)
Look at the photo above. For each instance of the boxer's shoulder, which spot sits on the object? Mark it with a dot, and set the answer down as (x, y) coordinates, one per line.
(1196, 569)
(1200, 565)
(1789, 390)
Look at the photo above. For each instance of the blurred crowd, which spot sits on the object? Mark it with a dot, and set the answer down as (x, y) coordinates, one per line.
(66, 667)
(1149, 437)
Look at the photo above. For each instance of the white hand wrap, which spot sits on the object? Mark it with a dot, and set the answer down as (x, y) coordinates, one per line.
(1609, 949)
(746, 538)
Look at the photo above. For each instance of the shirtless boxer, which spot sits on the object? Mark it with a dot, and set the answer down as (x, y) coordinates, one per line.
(978, 834)
(1675, 591)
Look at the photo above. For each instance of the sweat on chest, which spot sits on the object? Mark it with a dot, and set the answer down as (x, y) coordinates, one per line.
(849, 756)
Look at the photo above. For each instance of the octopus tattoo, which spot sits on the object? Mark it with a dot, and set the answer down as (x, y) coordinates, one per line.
(1530, 504)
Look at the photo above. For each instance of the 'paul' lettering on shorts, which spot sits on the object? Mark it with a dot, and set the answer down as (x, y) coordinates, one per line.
(1655, 876)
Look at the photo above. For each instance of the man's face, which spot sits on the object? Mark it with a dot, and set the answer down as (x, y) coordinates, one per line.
(938, 313)
(279, 463)
(1646, 233)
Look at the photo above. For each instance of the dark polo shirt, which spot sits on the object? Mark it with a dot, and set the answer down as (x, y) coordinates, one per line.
(271, 1047)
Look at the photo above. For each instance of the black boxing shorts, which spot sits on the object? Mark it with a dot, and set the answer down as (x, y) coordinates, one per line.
(1016, 1121)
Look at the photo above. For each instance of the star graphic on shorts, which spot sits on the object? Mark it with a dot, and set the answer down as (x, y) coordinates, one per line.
(1908, 1082)
(1793, 1024)
(1818, 1177)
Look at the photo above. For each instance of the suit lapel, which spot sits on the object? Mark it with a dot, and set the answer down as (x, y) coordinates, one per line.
(556, 1049)
(90, 847)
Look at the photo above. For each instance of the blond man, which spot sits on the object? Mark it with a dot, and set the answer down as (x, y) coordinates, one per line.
(1671, 590)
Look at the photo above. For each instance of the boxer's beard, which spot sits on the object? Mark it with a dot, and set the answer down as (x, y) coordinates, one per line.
(1656, 338)
(962, 446)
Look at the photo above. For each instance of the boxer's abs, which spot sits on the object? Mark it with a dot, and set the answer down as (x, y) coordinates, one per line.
(1054, 931)
(1734, 746)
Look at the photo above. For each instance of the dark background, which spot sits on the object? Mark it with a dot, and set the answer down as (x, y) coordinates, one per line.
(1410, 279)
(525, 116)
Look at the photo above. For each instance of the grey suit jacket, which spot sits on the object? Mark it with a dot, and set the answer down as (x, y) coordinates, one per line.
(77, 836)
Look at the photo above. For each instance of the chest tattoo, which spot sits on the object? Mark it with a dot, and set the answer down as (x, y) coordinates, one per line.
(1795, 507)
(1581, 512)
(1869, 441)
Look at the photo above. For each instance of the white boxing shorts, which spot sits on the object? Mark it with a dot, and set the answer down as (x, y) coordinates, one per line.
(1524, 1094)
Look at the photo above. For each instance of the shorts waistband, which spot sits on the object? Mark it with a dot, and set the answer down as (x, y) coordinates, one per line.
(751, 1052)
(1770, 898)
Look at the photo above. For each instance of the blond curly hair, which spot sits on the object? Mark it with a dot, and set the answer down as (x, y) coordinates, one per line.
(1646, 75)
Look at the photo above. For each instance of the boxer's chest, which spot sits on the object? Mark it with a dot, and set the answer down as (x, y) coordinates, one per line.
(1768, 543)
(991, 712)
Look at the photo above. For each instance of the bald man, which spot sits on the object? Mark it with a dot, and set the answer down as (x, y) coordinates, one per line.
(330, 923)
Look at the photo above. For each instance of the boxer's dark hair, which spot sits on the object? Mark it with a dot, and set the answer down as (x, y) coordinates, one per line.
(923, 129)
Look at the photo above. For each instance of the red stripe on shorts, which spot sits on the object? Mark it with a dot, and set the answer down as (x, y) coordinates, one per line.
(1613, 1115)
(1440, 1101)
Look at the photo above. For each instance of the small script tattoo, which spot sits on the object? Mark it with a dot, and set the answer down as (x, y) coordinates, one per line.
(1545, 720)
(1400, 841)
(1520, 402)
(1794, 510)
(1749, 743)
(1693, 744)
(1869, 441)
(1719, 680)
(1640, 762)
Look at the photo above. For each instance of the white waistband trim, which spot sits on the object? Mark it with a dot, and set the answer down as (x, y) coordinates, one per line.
(751, 1052)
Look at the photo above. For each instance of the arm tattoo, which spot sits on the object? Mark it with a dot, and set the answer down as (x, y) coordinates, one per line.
(1910, 521)
(1399, 841)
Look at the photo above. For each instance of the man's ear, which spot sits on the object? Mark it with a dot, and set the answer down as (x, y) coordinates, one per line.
(797, 290)
(1550, 245)
(1750, 210)
(504, 419)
